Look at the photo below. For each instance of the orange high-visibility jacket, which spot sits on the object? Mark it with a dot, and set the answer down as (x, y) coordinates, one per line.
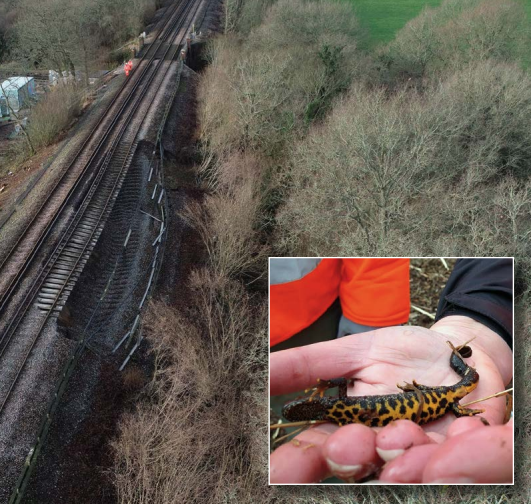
(373, 292)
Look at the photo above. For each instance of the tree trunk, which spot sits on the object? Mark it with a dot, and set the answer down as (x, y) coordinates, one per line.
(85, 63)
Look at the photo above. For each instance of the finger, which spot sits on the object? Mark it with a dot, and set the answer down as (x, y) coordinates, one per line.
(350, 452)
(301, 460)
(408, 467)
(391, 350)
(464, 424)
(475, 456)
(397, 437)
(299, 368)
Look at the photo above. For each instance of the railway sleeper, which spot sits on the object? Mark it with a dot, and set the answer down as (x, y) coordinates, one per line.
(82, 234)
(63, 269)
(85, 227)
(77, 240)
(69, 253)
(50, 290)
(52, 283)
(44, 307)
(90, 220)
(67, 259)
(44, 296)
(58, 275)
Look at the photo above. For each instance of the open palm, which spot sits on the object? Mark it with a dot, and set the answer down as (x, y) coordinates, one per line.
(378, 360)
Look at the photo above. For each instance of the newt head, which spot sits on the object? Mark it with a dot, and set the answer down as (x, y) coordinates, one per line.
(301, 410)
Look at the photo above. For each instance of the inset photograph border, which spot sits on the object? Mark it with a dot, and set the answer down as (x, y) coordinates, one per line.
(391, 370)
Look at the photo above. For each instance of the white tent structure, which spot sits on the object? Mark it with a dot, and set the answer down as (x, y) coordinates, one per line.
(15, 92)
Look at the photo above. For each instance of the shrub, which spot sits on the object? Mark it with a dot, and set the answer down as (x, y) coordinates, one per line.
(203, 436)
(227, 221)
(53, 114)
(134, 379)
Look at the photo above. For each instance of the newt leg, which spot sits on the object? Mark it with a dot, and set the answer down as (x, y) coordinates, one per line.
(460, 411)
(413, 387)
(417, 388)
(420, 397)
(324, 385)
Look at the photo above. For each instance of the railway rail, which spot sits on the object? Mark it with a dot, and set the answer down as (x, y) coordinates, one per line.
(86, 200)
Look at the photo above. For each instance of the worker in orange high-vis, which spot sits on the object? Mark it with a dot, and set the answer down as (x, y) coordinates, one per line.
(314, 299)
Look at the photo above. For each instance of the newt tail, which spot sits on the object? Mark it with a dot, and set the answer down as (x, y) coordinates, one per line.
(419, 403)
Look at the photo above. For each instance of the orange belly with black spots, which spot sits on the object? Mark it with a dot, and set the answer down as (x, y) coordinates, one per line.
(419, 403)
(378, 411)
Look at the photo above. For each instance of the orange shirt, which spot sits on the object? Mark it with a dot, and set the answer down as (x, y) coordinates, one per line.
(372, 292)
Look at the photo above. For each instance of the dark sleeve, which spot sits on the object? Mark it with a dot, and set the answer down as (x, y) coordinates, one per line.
(481, 289)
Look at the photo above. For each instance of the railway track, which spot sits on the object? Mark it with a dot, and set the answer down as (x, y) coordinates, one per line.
(88, 201)
(69, 186)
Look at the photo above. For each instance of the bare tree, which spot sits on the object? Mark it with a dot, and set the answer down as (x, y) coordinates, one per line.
(8, 15)
(45, 34)
(411, 170)
(231, 13)
(69, 34)
(482, 112)
(514, 199)
(257, 95)
(359, 169)
(251, 14)
(455, 34)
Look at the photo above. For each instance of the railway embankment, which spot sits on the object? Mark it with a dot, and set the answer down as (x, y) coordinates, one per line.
(98, 320)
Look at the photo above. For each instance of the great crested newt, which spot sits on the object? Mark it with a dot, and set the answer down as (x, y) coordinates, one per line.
(419, 403)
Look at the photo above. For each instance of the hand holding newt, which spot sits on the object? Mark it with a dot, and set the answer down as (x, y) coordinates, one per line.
(378, 361)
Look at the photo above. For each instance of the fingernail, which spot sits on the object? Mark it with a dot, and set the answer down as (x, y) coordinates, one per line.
(461, 480)
(344, 471)
(392, 471)
(351, 473)
(388, 455)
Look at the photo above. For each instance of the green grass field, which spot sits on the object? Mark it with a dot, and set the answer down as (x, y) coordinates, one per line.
(383, 18)
(527, 4)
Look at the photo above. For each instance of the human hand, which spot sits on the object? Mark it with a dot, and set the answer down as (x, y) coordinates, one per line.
(378, 360)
